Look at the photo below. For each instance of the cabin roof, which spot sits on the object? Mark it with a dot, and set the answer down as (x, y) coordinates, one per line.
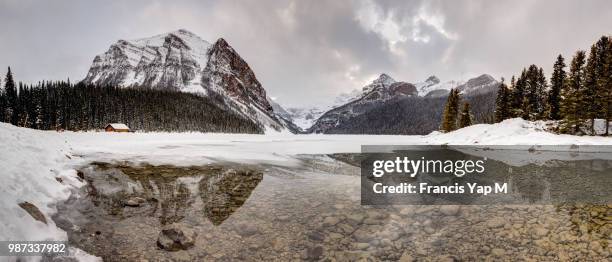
(118, 126)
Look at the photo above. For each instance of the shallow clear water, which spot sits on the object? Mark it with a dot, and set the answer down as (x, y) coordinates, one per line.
(310, 212)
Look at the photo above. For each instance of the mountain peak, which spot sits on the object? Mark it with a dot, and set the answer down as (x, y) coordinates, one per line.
(182, 61)
(184, 31)
(433, 79)
(479, 84)
(383, 79)
(186, 37)
(485, 77)
(481, 80)
(221, 43)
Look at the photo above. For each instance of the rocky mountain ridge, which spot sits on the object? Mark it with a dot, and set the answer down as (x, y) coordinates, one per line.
(385, 90)
(182, 61)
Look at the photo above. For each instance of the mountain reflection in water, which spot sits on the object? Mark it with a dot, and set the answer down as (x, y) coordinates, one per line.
(170, 191)
(224, 193)
(313, 212)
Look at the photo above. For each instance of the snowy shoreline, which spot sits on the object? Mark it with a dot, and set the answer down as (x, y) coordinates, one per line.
(39, 166)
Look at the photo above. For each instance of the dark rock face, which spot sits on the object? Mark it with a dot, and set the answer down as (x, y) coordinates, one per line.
(227, 71)
(402, 89)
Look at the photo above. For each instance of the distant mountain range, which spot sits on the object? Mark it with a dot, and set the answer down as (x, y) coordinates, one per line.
(182, 61)
(421, 105)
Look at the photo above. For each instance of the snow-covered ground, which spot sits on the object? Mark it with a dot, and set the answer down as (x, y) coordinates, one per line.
(33, 162)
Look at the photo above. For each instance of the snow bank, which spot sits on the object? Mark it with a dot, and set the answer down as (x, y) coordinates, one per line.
(32, 163)
(514, 131)
(31, 160)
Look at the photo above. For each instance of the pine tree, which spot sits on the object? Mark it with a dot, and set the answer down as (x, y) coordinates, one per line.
(22, 110)
(572, 95)
(519, 107)
(541, 95)
(525, 108)
(604, 83)
(511, 110)
(465, 119)
(502, 103)
(10, 91)
(557, 81)
(449, 117)
(2, 103)
(534, 86)
(590, 104)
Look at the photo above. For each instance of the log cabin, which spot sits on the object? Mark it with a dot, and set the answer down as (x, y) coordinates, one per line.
(117, 127)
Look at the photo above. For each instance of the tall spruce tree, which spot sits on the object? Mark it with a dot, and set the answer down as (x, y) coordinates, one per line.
(511, 112)
(449, 116)
(502, 102)
(519, 106)
(10, 91)
(591, 103)
(572, 95)
(542, 85)
(557, 81)
(535, 84)
(2, 102)
(604, 83)
(465, 119)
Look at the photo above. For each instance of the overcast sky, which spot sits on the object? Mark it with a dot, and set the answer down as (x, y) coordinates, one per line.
(307, 52)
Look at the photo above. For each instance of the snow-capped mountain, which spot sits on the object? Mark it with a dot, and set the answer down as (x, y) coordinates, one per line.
(173, 60)
(416, 105)
(183, 61)
(382, 89)
(479, 85)
(433, 87)
(385, 88)
(306, 117)
(285, 117)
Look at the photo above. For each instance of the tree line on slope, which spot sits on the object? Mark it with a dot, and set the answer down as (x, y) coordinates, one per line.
(414, 116)
(65, 106)
(574, 99)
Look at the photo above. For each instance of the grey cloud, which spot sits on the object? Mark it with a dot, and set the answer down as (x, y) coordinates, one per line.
(306, 52)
